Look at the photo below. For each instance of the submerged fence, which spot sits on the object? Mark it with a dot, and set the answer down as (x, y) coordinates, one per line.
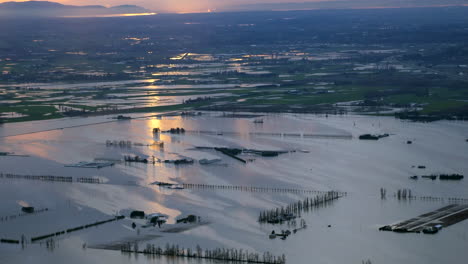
(12, 217)
(274, 134)
(50, 178)
(245, 188)
(9, 241)
(69, 230)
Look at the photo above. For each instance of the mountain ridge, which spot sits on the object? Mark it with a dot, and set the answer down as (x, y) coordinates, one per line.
(54, 9)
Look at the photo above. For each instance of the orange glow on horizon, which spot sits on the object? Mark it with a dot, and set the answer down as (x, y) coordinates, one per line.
(166, 6)
(209, 6)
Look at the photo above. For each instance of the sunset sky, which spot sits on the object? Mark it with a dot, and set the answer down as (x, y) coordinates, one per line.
(169, 5)
(204, 5)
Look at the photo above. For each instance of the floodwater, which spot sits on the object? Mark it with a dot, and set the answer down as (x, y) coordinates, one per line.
(121, 94)
(326, 159)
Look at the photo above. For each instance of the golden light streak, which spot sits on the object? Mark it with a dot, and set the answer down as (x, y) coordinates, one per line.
(115, 15)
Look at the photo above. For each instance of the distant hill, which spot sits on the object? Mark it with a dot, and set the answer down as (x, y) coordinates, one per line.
(52, 9)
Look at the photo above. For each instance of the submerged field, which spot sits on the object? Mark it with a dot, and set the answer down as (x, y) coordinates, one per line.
(324, 155)
(330, 61)
(297, 83)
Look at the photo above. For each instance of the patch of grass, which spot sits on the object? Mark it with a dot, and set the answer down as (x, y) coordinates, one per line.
(36, 112)
(444, 106)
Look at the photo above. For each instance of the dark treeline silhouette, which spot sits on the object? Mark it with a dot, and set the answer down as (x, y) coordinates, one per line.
(237, 255)
(407, 194)
(278, 215)
(135, 159)
(403, 194)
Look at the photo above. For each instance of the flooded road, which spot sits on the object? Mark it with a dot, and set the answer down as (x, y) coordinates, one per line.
(324, 154)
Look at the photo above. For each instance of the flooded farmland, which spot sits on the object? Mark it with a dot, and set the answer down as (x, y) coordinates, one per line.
(322, 132)
(322, 153)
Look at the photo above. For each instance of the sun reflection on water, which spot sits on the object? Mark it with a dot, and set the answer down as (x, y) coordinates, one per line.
(115, 15)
